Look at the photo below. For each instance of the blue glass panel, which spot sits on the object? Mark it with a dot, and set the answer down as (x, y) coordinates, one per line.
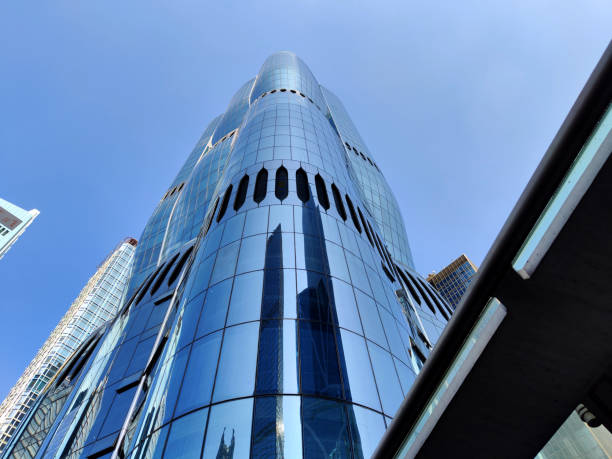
(200, 281)
(252, 253)
(215, 308)
(117, 412)
(324, 427)
(277, 429)
(229, 430)
(386, 379)
(277, 362)
(245, 304)
(367, 428)
(395, 342)
(186, 435)
(188, 321)
(406, 376)
(319, 360)
(213, 238)
(170, 377)
(346, 309)
(153, 446)
(238, 357)
(359, 383)
(314, 296)
(337, 262)
(233, 229)
(141, 355)
(199, 377)
(256, 221)
(358, 274)
(226, 262)
(281, 216)
(370, 319)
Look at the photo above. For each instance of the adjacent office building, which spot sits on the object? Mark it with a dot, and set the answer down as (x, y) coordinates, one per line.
(13, 222)
(97, 303)
(453, 280)
(274, 309)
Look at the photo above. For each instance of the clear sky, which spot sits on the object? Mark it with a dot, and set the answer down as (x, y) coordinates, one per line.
(100, 103)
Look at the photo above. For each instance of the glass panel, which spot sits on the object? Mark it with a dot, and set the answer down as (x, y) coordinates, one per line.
(324, 429)
(256, 221)
(245, 304)
(281, 216)
(388, 385)
(358, 274)
(215, 308)
(188, 321)
(319, 360)
(238, 357)
(277, 430)
(233, 229)
(367, 428)
(370, 319)
(229, 430)
(226, 262)
(117, 412)
(186, 435)
(359, 383)
(153, 446)
(252, 253)
(406, 376)
(198, 382)
(337, 262)
(346, 309)
(277, 362)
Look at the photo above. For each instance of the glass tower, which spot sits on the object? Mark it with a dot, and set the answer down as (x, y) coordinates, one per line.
(97, 303)
(13, 222)
(454, 279)
(274, 309)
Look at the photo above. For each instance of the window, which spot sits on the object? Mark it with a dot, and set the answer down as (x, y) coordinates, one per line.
(338, 201)
(224, 203)
(321, 192)
(261, 186)
(241, 193)
(365, 226)
(281, 186)
(179, 266)
(301, 180)
(353, 214)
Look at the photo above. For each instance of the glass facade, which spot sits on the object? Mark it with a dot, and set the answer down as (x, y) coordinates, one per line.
(279, 319)
(453, 280)
(97, 303)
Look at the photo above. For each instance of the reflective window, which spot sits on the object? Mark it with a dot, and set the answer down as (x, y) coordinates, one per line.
(117, 412)
(186, 435)
(324, 429)
(337, 262)
(141, 355)
(200, 280)
(245, 304)
(386, 379)
(367, 429)
(406, 376)
(252, 253)
(229, 430)
(359, 383)
(153, 446)
(281, 217)
(277, 429)
(256, 221)
(200, 374)
(238, 357)
(370, 319)
(395, 342)
(318, 360)
(233, 229)
(346, 309)
(277, 362)
(215, 308)
(226, 262)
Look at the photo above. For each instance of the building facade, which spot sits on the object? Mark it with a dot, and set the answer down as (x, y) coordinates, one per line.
(96, 304)
(274, 309)
(454, 279)
(13, 222)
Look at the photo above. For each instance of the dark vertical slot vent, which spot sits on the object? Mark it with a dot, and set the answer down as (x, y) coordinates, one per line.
(352, 212)
(241, 192)
(378, 245)
(424, 295)
(179, 265)
(436, 300)
(338, 202)
(208, 222)
(321, 192)
(261, 186)
(413, 292)
(365, 226)
(281, 185)
(224, 203)
(301, 182)
(387, 272)
(148, 284)
(162, 275)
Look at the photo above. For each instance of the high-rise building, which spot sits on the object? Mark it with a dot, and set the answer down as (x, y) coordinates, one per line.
(453, 280)
(274, 309)
(97, 303)
(13, 222)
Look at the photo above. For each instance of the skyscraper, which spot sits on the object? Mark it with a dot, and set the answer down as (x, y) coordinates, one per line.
(274, 308)
(97, 303)
(454, 279)
(13, 222)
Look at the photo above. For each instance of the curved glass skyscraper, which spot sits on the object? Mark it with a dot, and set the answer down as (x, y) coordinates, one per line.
(274, 309)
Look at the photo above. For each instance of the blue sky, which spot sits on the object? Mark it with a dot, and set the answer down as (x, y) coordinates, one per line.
(102, 102)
